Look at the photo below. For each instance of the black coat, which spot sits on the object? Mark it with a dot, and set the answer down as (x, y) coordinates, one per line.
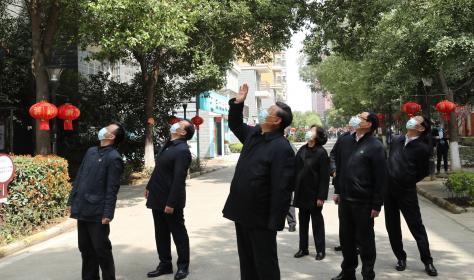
(260, 192)
(441, 144)
(95, 188)
(312, 176)
(407, 165)
(361, 170)
(167, 185)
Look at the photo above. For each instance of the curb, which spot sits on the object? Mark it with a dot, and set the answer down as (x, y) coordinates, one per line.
(441, 202)
(68, 225)
(37, 238)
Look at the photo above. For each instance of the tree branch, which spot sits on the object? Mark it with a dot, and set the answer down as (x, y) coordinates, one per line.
(468, 82)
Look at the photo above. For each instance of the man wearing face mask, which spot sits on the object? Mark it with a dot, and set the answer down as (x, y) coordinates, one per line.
(408, 163)
(166, 196)
(260, 191)
(361, 176)
(92, 202)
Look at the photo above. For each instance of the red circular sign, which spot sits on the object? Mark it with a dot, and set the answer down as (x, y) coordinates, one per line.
(7, 172)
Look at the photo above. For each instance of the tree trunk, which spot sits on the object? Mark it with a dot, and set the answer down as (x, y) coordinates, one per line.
(453, 125)
(43, 138)
(149, 86)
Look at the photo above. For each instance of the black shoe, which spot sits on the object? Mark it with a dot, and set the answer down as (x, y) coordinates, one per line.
(338, 248)
(160, 270)
(181, 273)
(431, 270)
(301, 253)
(320, 256)
(401, 265)
(292, 228)
(341, 276)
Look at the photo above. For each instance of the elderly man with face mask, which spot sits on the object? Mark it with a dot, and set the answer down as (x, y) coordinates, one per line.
(166, 197)
(361, 176)
(408, 163)
(92, 202)
(260, 191)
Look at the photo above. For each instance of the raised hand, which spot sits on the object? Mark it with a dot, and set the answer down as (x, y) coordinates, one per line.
(242, 95)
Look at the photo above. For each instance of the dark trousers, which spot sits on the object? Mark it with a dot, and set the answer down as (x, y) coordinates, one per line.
(317, 222)
(96, 250)
(165, 226)
(257, 253)
(406, 202)
(291, 217)
(442, 153)
(356, 229)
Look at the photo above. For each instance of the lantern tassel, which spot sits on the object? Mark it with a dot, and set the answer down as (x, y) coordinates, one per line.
(44, 125)
(68, 125)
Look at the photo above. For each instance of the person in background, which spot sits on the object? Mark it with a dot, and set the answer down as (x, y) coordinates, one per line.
(442, 147)
(166, 196)
(291, 217)
(408, 163)
(92, 202)
(311, 190)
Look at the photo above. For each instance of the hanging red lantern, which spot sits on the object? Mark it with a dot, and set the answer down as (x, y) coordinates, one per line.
(43, 111)
(197, 121)
(68, 113)
(411, 108)
(172, 120)
(445, 107)
(381, 117)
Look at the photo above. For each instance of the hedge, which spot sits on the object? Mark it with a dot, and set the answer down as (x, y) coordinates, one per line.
(467, 155)
(37, 194)
(236, 147)
(461, 184)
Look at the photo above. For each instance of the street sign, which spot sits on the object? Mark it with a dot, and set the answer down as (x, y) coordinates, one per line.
(7, 173)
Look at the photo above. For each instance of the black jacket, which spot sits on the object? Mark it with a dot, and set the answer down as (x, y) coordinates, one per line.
(312, 176)
(407, 165)
(94, 192)
(260, 191)
(441, 144)
(361, 166)
(167, 185)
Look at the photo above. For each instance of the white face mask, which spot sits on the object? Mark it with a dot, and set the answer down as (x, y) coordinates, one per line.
(308, 135)
(101, 134)
(411, 124)
(355, 122)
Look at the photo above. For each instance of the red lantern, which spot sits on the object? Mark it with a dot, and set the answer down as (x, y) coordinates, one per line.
(197, 121)
(445, 107)
(381, 117)
(172, 120)
(43, 111)
(68, 113)
(411, 108)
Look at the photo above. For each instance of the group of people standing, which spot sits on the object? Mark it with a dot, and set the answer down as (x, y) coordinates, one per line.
(266, 175)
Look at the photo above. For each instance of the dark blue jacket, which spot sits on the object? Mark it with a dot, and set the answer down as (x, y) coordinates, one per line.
(407, 165)
(260, 192)
(94, 192)
(361, 170)
(167, 185)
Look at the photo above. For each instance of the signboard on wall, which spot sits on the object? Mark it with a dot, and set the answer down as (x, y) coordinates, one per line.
(214, 102)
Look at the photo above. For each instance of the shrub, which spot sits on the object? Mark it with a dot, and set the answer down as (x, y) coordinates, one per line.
(467, 141)
(467, 155)
(461, 184)
(236, 147)
(38, 194)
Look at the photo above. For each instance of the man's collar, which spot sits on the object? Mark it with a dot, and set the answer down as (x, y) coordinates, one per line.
(178, 141)
(269, 136)
(354, 135)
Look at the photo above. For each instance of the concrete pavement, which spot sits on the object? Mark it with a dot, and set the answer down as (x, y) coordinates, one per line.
(213, 245)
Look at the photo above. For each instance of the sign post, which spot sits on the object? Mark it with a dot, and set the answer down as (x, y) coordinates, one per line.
(7, 173)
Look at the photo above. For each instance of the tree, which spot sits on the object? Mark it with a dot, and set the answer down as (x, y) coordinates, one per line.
(305, 119)
(190, 42)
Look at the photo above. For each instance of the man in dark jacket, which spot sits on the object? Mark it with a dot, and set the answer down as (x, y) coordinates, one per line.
(92, 202)
(166, 196)
(361, 176)
(442, 148)
(408, 163)
(260, 191)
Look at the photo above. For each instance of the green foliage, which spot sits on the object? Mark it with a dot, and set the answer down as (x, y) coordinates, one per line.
(336, 118)
(38, 194)
(306, 119)
(236, 147)
(467, 155)
(461, 184)
(298, 136)
(467, 141)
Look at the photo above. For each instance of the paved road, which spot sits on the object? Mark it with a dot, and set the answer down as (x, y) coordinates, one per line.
(213, 245)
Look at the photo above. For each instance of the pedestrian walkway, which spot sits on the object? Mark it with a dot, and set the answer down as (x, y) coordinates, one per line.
(213, 244)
